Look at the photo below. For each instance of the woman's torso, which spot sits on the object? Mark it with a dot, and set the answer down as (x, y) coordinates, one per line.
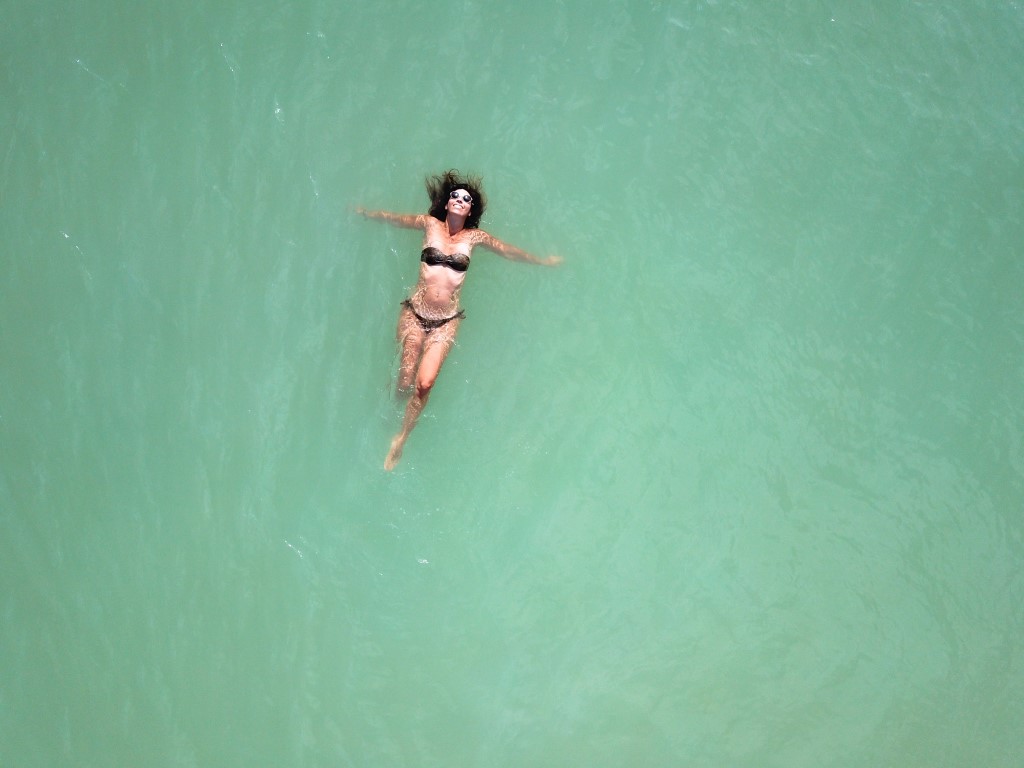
(437, 292)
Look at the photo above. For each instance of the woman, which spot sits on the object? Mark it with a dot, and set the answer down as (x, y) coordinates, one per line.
(430, 317)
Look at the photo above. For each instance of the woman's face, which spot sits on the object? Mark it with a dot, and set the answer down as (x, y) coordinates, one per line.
(460, 202)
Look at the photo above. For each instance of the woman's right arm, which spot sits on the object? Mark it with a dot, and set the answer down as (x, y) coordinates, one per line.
(410, 220)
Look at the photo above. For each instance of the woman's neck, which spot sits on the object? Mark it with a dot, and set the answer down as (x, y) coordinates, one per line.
(455, 224)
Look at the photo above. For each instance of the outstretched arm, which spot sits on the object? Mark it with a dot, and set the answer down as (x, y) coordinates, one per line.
(410, 220)
(515, 253)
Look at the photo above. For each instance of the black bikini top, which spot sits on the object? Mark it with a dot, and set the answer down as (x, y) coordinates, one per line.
(434, 256)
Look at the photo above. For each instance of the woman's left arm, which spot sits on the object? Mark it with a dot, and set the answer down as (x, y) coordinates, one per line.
(513, 252)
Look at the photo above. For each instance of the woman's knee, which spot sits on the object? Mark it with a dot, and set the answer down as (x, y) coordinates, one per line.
(430, 367)
(425, 382)
(426, 374)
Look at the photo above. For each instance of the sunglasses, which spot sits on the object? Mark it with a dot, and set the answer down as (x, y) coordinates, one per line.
(464, 197)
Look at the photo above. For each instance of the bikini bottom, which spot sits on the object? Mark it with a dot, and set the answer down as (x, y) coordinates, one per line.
(426, 323)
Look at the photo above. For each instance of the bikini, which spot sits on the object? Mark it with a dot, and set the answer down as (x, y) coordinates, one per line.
(433, 257)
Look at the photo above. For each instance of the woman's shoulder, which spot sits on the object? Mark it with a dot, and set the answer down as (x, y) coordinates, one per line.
(475, 236)
(430, 223)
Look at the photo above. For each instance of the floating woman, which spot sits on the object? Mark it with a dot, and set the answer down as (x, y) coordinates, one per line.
(430, 317)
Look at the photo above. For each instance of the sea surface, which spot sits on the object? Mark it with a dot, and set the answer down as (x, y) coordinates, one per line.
(741, 483)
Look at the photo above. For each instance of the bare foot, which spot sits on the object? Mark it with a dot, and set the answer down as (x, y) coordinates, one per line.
(394, 454)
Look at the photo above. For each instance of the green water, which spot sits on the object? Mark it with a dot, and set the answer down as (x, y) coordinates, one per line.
(740, 484)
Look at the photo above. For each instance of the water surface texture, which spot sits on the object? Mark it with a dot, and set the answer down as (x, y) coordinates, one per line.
(740, 484)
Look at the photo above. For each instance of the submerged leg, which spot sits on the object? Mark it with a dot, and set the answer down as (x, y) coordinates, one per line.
(413, 409)
(438, 344)
(411, 336)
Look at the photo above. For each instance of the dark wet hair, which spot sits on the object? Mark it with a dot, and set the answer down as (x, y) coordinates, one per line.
(441, 185)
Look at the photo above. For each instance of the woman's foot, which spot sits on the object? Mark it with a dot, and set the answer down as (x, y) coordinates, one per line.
(395, 453)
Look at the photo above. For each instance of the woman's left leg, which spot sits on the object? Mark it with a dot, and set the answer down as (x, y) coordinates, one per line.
(438, 343)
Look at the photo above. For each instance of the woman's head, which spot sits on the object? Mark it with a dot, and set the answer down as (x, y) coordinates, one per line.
(440, 188)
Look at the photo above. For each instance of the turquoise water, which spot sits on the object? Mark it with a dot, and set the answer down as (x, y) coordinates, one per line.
(740, 484)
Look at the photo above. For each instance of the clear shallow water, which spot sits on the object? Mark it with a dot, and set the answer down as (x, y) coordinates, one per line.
(740, 484)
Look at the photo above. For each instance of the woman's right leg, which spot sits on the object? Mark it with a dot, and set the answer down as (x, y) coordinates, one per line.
(410, 335)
